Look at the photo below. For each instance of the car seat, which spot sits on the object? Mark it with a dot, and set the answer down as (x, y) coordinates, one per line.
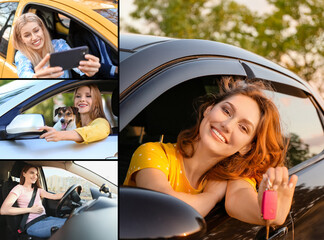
(12, 222)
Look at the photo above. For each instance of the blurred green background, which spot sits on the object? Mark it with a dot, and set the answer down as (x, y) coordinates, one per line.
(288, 32)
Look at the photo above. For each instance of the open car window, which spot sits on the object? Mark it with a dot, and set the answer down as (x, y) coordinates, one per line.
(47, 108)
(168, 114)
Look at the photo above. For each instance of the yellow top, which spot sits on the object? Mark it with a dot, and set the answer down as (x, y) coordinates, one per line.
(96, 130)
(165, 157)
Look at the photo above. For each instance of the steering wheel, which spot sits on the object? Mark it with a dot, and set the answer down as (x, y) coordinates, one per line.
(73, 195)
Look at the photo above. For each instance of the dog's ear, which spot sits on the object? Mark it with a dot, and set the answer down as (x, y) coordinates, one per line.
(75, 110)
(57, 110)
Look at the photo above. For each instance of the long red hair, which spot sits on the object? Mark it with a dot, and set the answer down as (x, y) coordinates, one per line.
(269, 146)
(96, 110)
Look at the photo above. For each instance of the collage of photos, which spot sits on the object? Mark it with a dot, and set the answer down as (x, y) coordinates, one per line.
(178, 120)
(59, 120)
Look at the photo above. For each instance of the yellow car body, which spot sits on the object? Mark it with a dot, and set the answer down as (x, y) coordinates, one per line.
(83, 11)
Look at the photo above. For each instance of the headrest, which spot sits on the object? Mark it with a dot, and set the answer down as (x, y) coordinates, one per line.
(17, 168)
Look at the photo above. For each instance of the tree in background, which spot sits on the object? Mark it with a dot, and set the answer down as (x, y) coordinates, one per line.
(291, 35)
(2, 82)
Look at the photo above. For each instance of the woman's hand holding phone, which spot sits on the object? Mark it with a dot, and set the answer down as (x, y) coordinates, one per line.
(91, 66)
(47, 72)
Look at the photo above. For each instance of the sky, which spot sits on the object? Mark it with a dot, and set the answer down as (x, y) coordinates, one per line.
(127, 6)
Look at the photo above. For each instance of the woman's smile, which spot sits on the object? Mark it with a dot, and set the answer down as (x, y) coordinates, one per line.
(218, 135)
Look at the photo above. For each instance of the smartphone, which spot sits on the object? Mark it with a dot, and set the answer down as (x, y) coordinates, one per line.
(68, 59)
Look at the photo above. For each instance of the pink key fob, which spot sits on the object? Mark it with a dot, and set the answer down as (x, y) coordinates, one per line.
(269, 205)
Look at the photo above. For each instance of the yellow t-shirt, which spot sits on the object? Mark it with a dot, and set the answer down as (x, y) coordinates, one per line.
(165, 157)
(96, 130)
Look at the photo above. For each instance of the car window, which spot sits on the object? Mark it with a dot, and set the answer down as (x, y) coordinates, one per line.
(302, 124)
(59, 180)
(111, 14)
(13, 89)
(105, 169)
(7, 13)
(47, 108)
(65, 21)
(168, 114)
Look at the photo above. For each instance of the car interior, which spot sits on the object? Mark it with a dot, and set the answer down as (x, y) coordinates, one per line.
(9, 178)
(75, 33)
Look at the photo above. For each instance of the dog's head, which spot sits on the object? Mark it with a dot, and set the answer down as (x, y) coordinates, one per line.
(66, 115)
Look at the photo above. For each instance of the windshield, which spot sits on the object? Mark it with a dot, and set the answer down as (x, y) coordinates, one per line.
(110, 13)
(14, 88)
(105, 169)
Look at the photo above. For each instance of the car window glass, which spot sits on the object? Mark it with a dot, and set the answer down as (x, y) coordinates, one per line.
(111, 14)
(7, 13)
(13, 89)
(65, 21)
(302, 124)
(59, 180)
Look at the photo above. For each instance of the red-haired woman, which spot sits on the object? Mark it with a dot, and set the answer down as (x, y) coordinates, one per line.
(22, 193)
(91, 122)
(234, 148)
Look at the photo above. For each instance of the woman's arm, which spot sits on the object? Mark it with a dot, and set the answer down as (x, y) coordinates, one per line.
(56, 196)
(155, 179)
(244, 203)
(8, 209)
(54, 136)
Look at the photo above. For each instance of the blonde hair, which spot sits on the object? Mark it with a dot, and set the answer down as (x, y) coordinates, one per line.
(31, 54)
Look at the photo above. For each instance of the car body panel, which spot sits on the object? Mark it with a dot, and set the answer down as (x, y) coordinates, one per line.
(178, 49)
(40, 149)
(79, 11)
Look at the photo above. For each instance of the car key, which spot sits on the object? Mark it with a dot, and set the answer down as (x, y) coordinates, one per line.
(269, 206)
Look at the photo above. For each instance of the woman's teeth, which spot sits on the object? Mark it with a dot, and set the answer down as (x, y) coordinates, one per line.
(218, 135)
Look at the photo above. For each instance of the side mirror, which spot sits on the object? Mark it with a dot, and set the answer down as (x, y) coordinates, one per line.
(145, 214)
(25, 124)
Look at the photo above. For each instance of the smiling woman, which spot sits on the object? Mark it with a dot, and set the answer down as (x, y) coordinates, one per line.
(33, 41)
(91, 121)
(235, 146)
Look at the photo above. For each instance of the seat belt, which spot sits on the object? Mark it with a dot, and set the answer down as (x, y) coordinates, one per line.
(22, 226)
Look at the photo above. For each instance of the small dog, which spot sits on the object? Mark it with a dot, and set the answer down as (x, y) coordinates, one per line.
(67, 116)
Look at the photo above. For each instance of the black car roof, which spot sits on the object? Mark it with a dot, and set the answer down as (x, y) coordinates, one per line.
(143, 54)
(168, 49)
